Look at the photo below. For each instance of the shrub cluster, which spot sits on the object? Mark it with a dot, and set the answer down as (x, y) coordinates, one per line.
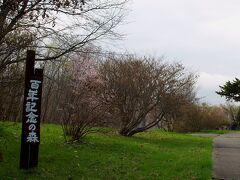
(130, 93)
(193, 118)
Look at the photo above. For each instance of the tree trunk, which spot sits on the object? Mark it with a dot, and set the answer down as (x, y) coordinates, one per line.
(1, 157)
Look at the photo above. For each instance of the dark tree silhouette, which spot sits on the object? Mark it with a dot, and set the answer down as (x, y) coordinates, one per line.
(230, 90)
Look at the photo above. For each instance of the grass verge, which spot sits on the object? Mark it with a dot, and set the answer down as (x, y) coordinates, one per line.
(151, 155)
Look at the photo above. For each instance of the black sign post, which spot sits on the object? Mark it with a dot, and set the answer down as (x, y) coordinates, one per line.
(30, 138)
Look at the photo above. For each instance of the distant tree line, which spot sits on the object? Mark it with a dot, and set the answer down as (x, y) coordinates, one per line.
(127, 92)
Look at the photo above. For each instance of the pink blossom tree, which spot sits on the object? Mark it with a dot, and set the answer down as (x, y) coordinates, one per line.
(80, 105)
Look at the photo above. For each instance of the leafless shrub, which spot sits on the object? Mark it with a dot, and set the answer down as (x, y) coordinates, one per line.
(138, 87)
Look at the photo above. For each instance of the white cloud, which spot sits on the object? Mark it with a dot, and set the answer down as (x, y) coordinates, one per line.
(212, 80)
(208, 84)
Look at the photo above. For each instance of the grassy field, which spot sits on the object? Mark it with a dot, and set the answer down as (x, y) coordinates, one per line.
(105, 155)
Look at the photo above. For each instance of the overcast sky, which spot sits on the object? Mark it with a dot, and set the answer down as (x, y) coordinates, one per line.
(202, 34)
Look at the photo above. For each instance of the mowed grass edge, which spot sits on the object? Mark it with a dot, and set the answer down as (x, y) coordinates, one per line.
(106, 155)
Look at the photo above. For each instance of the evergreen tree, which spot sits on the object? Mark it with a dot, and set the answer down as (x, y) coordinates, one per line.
(231, 90)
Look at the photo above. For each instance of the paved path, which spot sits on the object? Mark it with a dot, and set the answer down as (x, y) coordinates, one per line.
(226, 157)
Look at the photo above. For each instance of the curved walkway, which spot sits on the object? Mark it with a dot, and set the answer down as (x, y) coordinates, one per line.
(226, 156)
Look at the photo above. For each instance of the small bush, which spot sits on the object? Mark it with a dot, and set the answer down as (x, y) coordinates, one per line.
(79, 120)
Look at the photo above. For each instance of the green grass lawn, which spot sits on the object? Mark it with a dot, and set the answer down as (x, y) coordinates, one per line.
(151, 155)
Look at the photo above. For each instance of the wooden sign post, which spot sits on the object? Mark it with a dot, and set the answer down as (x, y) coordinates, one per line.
(30, 138)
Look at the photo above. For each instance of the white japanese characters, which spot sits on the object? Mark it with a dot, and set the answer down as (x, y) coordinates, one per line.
(32, 111)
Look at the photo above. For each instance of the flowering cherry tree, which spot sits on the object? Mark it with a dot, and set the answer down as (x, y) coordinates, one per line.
(80, 106)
